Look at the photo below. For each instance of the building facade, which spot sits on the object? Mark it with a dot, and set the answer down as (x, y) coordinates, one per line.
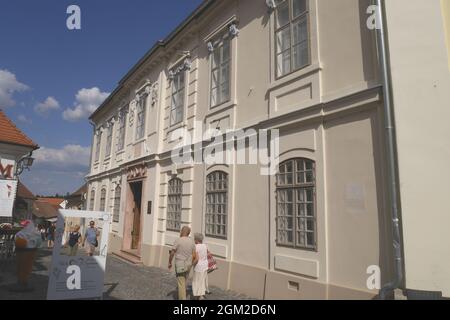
(307, 68)
(16, 150)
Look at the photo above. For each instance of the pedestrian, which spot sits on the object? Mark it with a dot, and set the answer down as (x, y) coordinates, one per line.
(51, 235)
(74, 241)
(42, 231)
(200, 280)
(185, 256)
(91, 236)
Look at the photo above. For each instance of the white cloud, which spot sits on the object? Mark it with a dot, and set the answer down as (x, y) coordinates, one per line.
(87, 101)
(70, 157)
(8, 86)
(58, 170)
(48, 105)
(23, 118)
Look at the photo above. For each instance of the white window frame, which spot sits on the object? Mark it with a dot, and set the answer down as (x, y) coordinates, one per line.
(92, 201)
(216, 215)
(141, 114)
(181, 94)
(109, 136)
(103, 193)
(300, 183)
(117, 200)
(218, 45)
(121, 132)
(174, 204)
(292, 21)
(98, 145)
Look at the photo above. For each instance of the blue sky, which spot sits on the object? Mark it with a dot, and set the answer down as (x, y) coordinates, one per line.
(52, 77)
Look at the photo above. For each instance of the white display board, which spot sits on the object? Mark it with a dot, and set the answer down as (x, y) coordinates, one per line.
(8, 190)
(81, 276)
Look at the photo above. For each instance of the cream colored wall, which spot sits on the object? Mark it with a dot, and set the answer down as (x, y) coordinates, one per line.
(445, 5)
(251, 223)
(342, 63)
(347, 46)
(356, 217)
(421, 82)
(301, 140)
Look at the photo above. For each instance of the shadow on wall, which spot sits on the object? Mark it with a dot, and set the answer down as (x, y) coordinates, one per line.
(368, 44)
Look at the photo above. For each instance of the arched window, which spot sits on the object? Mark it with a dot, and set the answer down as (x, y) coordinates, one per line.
(92, 201)
(296, 204)
(116, 212)
(216, 204)
(103, 200)
(174, 202)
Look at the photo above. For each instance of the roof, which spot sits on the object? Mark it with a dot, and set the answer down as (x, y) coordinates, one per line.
(159, 44)
(10, 134)
(23, 192)
(42, 209)
(76, 199)
(82, 190)
(74, 203)
(55, 202)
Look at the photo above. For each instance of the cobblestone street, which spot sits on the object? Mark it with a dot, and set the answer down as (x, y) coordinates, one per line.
(123, 281)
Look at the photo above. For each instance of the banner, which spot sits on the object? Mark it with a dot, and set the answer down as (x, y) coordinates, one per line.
(78, 276)
(8, 190)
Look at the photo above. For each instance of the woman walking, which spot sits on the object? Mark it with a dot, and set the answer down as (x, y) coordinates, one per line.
(185, 256)
(74, 241)
(51, 235)
(200, 280)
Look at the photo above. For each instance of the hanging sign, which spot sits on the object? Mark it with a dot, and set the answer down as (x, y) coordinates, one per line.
(8, 190)
(6, 169)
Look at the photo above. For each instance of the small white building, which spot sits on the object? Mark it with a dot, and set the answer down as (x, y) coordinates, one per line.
(16, 150)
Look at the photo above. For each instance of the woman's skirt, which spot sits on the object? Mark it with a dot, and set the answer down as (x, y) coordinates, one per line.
(199, 283)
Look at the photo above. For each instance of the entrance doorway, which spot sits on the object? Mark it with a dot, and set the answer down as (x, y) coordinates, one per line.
(136, 190)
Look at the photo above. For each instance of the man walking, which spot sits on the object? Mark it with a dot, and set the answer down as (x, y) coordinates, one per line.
(185, 256)
(91, 236)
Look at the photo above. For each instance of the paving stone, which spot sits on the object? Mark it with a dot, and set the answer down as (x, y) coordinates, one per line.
(123, 281)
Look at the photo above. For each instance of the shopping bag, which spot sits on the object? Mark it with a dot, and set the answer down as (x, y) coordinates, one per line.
(212, 264)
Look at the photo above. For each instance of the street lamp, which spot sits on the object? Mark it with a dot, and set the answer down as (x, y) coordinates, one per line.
(24, 163)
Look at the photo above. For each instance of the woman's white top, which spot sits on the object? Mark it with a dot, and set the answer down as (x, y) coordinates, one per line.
(202, 253)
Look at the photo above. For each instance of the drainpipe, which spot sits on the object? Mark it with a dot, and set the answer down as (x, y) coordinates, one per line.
(390, 153)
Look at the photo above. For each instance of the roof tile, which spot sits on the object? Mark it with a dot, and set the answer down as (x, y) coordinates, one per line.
(9, 133)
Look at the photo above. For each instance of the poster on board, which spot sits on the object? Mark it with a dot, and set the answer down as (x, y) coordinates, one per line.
(73, 273)
(8, 190)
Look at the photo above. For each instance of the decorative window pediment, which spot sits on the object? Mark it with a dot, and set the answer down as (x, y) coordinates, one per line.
(184, 66)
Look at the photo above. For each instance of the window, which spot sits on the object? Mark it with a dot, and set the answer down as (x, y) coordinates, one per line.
(140, 125)
(216, 204)
(174, 205)
(109, 140)
(220, 72)
(121, 133)
(292, 35)
(177, 107)
(97, 146)
(296, 217)
(103, 200)
(91, 201)
(116, 212)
